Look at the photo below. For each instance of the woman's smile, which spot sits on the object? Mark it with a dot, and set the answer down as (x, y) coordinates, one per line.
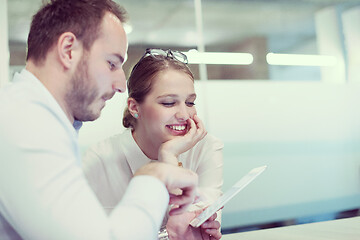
(177, 129)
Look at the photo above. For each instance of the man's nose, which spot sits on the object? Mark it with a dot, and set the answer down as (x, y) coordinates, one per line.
(119, 82)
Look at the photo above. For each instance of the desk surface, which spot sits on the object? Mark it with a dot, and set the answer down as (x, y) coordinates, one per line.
(341, 229)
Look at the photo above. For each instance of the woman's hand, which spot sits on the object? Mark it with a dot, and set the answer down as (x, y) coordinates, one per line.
(170, 150)
(178, 227)
(210, 229)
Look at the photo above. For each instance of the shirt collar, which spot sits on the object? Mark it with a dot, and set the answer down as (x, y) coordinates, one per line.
(134, 155)
(54, 105)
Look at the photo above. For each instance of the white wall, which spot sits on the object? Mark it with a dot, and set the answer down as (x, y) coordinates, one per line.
(308, 133)
(4, 46)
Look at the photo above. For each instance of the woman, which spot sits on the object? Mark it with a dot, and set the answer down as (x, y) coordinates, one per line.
(161, 123)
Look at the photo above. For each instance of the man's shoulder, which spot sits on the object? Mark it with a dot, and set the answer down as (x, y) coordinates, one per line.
(19, 92)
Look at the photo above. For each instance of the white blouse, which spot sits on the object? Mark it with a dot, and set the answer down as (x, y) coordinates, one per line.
(110, 164)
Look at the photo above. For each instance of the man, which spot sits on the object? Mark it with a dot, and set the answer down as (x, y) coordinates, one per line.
(76, 49)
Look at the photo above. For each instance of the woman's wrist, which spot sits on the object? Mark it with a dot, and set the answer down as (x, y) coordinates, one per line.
(167, 157)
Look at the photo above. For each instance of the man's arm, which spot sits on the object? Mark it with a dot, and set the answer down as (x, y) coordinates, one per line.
(44, 194)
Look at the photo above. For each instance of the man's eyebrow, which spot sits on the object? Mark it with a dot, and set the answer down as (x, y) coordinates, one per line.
(121, 58)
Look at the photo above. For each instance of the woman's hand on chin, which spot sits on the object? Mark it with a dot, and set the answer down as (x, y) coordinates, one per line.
(170, 150)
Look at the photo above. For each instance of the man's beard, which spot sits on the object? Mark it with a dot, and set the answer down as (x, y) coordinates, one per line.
(82, 93)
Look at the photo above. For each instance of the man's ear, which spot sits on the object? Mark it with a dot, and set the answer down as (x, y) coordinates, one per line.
(133, 107)
(69, 49)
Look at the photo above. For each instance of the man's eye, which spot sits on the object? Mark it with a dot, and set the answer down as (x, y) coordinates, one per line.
(190, 104)
(112, 66)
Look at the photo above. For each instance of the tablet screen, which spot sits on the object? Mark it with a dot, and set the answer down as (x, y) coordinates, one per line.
(229, 194)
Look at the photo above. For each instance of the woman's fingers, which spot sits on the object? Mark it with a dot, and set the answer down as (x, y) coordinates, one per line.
(197, 130)
(192, 127)
(212, 229)
(213, 233)
(201, 132)
(211, 224)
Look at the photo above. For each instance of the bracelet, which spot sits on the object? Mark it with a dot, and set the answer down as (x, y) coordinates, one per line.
(163, 234)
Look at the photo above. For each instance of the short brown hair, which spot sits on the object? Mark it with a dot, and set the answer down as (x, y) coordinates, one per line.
(81, 17)
(141, 80)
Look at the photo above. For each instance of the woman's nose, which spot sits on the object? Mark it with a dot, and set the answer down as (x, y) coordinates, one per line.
(182, 113)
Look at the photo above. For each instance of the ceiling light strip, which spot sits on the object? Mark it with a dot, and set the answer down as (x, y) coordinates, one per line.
(300, 59)
(195, 57)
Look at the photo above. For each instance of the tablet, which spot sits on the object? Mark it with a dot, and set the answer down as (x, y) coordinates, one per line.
(229, 194)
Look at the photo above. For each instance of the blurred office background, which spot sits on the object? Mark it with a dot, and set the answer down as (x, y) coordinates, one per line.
(293, 106)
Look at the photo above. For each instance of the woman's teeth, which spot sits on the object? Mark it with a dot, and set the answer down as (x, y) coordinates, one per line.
(177, 128)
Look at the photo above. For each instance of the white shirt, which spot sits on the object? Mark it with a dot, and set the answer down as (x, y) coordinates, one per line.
(43, 191)
(110, 164)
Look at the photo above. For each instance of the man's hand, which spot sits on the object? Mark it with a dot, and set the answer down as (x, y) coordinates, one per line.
(179, 229)
(170, 150)
(173, 177)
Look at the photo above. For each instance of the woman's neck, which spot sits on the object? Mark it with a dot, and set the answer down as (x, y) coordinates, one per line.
(146, 144)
